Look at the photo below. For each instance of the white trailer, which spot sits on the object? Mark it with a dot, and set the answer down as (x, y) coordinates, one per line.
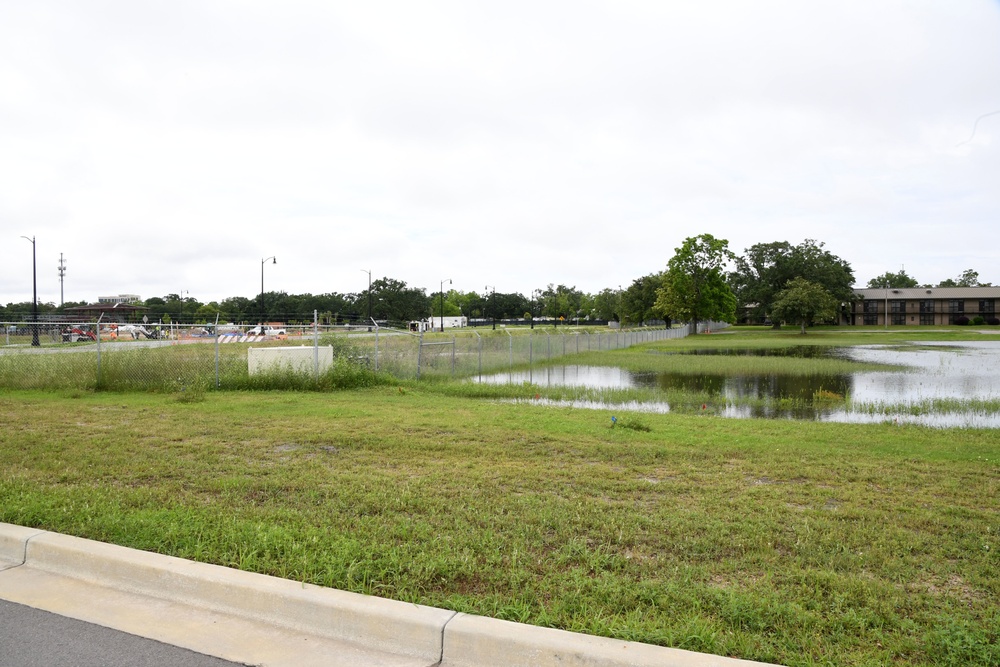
(435, 323)
(454, 322)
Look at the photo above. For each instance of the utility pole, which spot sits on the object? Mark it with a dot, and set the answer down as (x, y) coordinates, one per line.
(62, 276)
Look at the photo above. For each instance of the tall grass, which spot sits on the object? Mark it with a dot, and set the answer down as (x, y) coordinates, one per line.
(190, 367)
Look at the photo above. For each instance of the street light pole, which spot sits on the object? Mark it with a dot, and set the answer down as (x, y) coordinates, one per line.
(34, 295)
(274, 260)
(488, 302)
(369, 272)
(534, 302)
(446, 280)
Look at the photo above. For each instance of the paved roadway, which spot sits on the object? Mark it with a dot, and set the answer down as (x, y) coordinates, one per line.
(33, 638)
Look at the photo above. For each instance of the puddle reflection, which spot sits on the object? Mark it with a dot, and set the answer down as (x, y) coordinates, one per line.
(947, 371)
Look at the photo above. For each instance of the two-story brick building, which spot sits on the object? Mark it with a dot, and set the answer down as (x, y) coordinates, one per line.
(922, 305)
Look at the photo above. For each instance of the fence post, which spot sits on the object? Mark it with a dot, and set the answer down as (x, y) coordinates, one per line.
(376, 345)
(480, 346)
(531, 358)
(453, 355)
(420, 350)
(216, 330)
(511, 367)
(316, 344)
(97, 331)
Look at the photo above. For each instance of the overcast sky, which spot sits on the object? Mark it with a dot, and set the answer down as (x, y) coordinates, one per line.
(169, 146)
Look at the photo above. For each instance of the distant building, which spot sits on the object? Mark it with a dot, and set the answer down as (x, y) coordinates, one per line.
(120, 298)
(108, 312)
(922, 305)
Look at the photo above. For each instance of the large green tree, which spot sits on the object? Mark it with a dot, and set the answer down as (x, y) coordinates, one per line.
(450, 301)
(766, 268)
(470, 304)
(392, 300)
(606, 304)
(639, 300)
(694, 286)
(804, 302)
(969, 278)
(898, 279)
(560, 301)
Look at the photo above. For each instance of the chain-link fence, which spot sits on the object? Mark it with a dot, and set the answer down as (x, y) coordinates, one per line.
(85, 355)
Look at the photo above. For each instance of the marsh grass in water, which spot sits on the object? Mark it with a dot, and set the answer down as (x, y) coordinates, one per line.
(794, 543)
(661, 358)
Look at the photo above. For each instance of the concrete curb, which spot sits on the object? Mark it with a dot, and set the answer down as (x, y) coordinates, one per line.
(478, 641)
(13, 542)
(64, 566)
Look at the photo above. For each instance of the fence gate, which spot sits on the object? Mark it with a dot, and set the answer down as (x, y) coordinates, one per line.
(437, 355)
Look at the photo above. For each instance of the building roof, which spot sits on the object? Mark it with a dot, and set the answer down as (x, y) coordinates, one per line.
(929, 293)
(106, 308)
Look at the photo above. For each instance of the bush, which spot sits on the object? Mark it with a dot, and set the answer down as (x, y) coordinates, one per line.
(977, 320)
(962, 321)
(993, 321)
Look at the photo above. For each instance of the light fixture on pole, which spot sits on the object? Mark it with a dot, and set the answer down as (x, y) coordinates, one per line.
(446, 280)
(274, 260)
(34, 295)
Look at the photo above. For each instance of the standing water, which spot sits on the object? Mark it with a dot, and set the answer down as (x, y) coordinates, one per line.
(935, 388)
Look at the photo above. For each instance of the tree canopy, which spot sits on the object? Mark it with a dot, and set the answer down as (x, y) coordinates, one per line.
(766, 268)
(687, 290)
(639, 300)
(898, 279)
(804, 302)
(694, 286)
(969, 278)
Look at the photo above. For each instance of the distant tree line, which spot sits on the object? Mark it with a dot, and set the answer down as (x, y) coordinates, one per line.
(703, 280)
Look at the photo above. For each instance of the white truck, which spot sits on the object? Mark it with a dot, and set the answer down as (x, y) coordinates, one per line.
(266, 330)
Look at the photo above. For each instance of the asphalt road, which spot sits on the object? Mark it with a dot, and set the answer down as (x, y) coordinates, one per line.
(33, 638)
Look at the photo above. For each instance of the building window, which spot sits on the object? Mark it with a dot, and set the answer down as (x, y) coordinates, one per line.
(898, 318)
(927, 306)
(956, 306)
(986, 306)
(871, 318)
(926, 318)
(871, 307)
(897, 306)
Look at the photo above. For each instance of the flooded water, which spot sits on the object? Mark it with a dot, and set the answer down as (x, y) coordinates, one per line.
(934, 373)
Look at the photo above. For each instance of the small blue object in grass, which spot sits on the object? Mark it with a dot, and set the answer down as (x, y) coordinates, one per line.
(614, 420)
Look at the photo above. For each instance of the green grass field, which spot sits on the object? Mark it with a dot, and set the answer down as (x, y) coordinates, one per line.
(790, 542)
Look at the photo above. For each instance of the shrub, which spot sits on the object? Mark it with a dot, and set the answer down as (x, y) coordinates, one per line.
(977, 320)
(993, 320)
(962, 321)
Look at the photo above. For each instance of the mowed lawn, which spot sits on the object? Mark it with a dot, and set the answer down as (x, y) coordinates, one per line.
(794, 543)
